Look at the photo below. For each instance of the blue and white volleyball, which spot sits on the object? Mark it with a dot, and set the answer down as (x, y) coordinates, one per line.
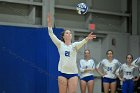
(82, 8)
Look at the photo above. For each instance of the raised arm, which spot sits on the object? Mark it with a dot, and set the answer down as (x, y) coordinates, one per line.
(84, 41)
(56, 41)
(90, 36)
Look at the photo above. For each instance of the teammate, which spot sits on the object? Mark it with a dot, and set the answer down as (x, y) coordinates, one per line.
(128, 78)
(107, 68)
(67, 67)
(87, 66)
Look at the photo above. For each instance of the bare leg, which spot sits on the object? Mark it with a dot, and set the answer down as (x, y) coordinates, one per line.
(90, 86)
(63, 84)
(106, 87)
(83, 86)
(113, 87)
(72, 84)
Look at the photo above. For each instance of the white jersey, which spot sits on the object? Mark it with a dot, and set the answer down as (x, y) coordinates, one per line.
(109, 67)
(126, 71)
(136, 62)
(86, 64)
(68, 53)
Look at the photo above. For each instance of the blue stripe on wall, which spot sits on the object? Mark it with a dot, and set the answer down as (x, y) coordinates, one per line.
(28, 60)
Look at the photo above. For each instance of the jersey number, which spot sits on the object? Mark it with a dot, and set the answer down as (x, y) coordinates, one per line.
(67, 53)
(109, 69)
(128, 73)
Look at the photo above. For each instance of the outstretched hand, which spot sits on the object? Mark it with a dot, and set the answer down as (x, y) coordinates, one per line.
(90, 36)
(49, 20)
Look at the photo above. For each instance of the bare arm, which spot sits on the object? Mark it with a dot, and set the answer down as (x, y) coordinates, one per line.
(136, 79)
(90, 36)
(136, 70)
(99, 71)
(118, 74)
(85, 69)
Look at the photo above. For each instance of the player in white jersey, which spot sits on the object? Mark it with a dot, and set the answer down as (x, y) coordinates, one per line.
(127, 71)
(107, 68)
(87, 66)
(67, 67)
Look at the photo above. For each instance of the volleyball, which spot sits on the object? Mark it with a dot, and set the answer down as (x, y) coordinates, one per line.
(82, 8)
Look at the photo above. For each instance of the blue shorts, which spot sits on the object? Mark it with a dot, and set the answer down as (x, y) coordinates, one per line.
(108, 80)
(87, 78)
(67, 76)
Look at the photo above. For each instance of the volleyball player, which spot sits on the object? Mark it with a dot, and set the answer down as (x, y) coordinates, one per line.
(87, 66)
(107, 68)
(67, 67)
(128, 78)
